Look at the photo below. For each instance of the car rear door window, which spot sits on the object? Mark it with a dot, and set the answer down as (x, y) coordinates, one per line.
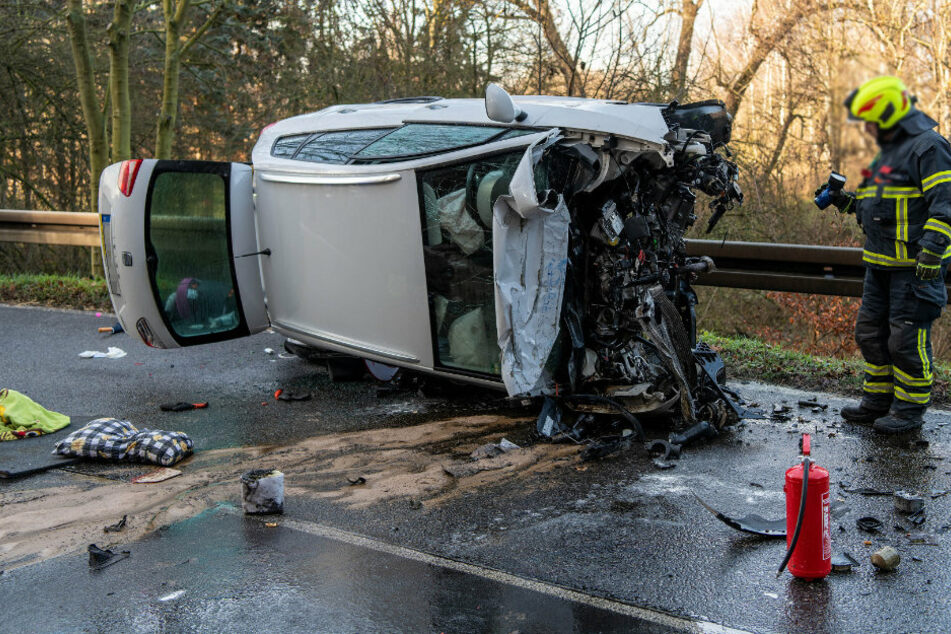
(188, 241)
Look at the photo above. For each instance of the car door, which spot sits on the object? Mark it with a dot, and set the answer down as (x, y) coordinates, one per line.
(180, 250)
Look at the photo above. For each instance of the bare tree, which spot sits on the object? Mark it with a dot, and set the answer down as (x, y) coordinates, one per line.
(688, 17)
(175, 12)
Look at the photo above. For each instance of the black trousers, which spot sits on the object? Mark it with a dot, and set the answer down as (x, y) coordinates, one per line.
(893, 331)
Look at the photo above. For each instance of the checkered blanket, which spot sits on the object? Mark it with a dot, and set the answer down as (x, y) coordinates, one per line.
(112, 439)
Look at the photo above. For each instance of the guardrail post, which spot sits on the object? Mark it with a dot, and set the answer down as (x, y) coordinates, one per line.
(95, 262)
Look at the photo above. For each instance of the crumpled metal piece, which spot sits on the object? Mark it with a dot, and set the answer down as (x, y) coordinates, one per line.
(530, 257)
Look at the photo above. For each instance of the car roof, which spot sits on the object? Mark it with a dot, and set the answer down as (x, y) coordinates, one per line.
(643, 122)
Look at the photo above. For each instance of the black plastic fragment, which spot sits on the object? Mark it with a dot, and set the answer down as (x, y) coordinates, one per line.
(604, 447)
(99, 558)
(181, 406)
(294, 396)
(549, 419)
(869, 524)
(118, 526)
(867, 491)
(843, 562)
(751, 523)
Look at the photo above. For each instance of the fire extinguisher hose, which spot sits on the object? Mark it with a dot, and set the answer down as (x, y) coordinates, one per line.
(802, 511)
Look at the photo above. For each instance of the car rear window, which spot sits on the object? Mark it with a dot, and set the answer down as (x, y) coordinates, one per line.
(388, 144)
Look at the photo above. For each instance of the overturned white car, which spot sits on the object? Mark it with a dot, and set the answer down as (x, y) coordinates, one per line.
(533, 243)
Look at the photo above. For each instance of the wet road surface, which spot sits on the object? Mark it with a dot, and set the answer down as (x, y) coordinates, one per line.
(221, 572)
(617, 529)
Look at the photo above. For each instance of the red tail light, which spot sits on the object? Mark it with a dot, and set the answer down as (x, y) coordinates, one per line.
(127, 173)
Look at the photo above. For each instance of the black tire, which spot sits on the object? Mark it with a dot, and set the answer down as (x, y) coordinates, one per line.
(678, 334)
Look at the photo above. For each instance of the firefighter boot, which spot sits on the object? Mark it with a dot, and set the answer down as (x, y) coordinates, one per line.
(863, 413)
(898, 422)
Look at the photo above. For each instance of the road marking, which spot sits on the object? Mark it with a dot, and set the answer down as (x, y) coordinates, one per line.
(652, 616)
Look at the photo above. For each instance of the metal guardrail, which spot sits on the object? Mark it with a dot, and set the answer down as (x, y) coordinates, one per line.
(50, 227)
(795, 268)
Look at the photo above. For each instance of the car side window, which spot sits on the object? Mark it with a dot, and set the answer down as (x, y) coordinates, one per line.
(382, 145)
(414, 139)
(337, 147)
(456, 210)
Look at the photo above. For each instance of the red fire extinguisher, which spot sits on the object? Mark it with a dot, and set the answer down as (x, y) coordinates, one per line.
(808, 519)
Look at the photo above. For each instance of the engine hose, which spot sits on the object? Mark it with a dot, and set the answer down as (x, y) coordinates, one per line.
(802, 511)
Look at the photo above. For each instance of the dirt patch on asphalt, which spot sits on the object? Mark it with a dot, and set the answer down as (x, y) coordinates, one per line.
(428, 463)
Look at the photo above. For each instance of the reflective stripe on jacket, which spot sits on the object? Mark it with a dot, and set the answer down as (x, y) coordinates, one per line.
(904, 202)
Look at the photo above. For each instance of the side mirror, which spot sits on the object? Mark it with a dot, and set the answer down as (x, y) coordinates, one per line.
(500, 107)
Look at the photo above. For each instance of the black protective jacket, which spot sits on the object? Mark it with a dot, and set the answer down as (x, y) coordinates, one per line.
(904, 201)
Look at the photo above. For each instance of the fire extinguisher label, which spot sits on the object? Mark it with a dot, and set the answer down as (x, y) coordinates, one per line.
(826, 527)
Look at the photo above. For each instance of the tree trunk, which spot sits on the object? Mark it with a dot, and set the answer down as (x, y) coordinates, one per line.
(764, 46)
(85, 80)
(174, 16)
(119, 36)
(175, 49)
(688, 17)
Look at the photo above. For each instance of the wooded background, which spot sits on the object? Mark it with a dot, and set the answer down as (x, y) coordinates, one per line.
(85, 84)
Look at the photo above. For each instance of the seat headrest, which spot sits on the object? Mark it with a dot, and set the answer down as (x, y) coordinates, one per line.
(493, 185)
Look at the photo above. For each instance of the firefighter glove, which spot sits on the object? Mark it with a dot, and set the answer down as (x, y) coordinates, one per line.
(929, 265)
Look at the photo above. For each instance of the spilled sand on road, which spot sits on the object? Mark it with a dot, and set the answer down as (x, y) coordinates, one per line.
(415, 462)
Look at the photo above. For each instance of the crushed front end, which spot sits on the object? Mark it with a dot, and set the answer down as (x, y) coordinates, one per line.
(594, 299)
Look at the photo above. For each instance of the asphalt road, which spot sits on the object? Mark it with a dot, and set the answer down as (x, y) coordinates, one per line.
(617, 541)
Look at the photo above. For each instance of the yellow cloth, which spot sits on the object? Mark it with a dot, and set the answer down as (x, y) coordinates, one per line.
(21, 417)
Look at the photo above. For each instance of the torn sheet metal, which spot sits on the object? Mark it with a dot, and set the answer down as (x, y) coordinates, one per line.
(530, 255)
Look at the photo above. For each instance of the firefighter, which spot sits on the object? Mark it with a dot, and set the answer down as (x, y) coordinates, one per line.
(904, 208)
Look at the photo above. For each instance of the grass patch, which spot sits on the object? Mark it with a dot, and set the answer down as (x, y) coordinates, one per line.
(60, 291)
(756, 360)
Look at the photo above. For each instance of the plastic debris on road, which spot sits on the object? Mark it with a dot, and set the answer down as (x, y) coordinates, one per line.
(111, 353)
(100, 558)
(182, 406)
(262, 491)
(117, 527)
(493, 449)
(751, 523)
